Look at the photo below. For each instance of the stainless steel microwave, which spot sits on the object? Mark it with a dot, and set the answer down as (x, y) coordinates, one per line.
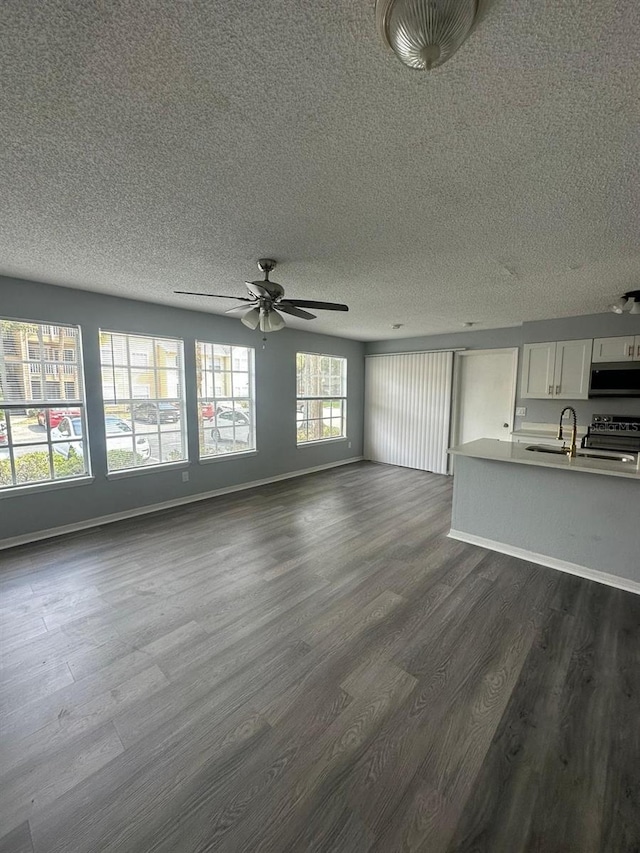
(615, 379)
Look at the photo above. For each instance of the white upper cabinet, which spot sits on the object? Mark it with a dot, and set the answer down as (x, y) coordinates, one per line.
(572, 370)
(556, 370)
(538, 370)
(616, 349)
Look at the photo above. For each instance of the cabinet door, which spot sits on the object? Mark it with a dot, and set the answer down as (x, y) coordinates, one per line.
(637, 348)
(538, 371)
(572, 370)
(615, 349)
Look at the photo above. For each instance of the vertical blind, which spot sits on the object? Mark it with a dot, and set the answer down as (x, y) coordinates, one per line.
(408, 409)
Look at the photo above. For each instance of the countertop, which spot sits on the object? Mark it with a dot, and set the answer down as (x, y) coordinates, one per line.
(508, 451)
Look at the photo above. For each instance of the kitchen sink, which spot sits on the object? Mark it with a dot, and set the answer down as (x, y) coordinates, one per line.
(584, 454)
(544, 448)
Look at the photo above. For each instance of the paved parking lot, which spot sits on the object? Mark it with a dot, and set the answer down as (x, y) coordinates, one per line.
(29, 437)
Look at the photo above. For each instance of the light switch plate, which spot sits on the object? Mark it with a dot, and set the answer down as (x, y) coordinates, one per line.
(521, 411)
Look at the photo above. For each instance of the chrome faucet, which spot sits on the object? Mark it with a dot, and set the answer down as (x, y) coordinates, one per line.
(571, 450)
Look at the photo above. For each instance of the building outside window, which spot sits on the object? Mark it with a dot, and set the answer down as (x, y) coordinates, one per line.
(144, 406)
(226, 410)
(321, 397)
(42, 407)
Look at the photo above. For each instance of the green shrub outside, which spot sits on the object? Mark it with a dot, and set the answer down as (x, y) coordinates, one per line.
(327, 432)
(34, 467)
(119, 459)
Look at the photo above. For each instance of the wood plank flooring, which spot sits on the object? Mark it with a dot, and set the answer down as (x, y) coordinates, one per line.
(312, 666)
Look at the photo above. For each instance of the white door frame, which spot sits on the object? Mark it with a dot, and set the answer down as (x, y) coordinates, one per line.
(457, 374)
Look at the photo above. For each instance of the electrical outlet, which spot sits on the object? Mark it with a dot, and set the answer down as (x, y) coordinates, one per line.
(185, 476)
(521, 411)
(349, 445)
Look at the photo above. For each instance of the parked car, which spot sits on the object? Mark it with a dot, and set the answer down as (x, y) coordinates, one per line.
(207, 410)
(155, 413)
(3, 434)
(118, 432)
(54, 416)
(230, 424)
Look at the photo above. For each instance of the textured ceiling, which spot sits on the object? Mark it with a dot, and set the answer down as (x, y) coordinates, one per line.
(160, 144)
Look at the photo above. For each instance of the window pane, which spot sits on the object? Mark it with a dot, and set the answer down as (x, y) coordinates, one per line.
(24, 425)
(32, 464)
(68, 461)
(146, 427)
(169, 385)
(240, 384)
(142, 384)
(225, 399)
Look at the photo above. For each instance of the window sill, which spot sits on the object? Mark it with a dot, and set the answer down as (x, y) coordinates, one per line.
(224, 457)
(322, 441)
(148, 469)
(52, 485)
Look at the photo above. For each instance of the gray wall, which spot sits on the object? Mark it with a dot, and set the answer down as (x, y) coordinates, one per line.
(565, 329)
(587, 519)
(21, 514)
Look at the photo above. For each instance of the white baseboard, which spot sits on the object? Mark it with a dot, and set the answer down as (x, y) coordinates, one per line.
(145, 510)
(549, 562)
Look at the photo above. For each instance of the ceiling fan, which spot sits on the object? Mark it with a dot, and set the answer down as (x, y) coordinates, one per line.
(266, 300)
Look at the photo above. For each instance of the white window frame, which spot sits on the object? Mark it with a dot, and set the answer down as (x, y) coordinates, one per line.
(320, 397)
(14, 449)
(131, 366)
(208, 381)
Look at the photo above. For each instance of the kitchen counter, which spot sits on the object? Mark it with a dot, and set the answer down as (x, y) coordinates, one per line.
(507, 451)
(577, 515)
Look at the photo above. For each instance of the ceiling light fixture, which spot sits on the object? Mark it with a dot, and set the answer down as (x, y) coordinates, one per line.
(266, 300)
(630, 303)
(425, 33)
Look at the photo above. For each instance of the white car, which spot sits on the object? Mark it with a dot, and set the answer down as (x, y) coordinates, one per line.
(119, 437)
(230, 425)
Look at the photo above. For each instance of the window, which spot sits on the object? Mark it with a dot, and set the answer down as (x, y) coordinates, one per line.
(226, 422)
(143, 391)
(321, 397)
(39, 395)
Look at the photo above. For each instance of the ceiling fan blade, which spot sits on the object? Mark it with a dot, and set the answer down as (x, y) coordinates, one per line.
(296, 312)
(256, 288)
(241, 309)
(322, 306)
(216, 295)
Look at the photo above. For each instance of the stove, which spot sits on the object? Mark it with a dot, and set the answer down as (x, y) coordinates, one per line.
(614, 432)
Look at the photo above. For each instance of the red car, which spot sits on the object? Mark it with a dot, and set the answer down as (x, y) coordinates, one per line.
(55, 416)
(209, 410)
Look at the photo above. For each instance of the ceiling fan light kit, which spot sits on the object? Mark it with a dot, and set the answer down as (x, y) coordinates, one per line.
(629, 303)
(425, 33)
(266, 300)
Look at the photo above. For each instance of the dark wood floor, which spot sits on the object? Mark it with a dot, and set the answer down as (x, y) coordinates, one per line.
(313, 666)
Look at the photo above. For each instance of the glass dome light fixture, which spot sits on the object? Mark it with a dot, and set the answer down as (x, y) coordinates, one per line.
(630, 303)
(425, 33)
